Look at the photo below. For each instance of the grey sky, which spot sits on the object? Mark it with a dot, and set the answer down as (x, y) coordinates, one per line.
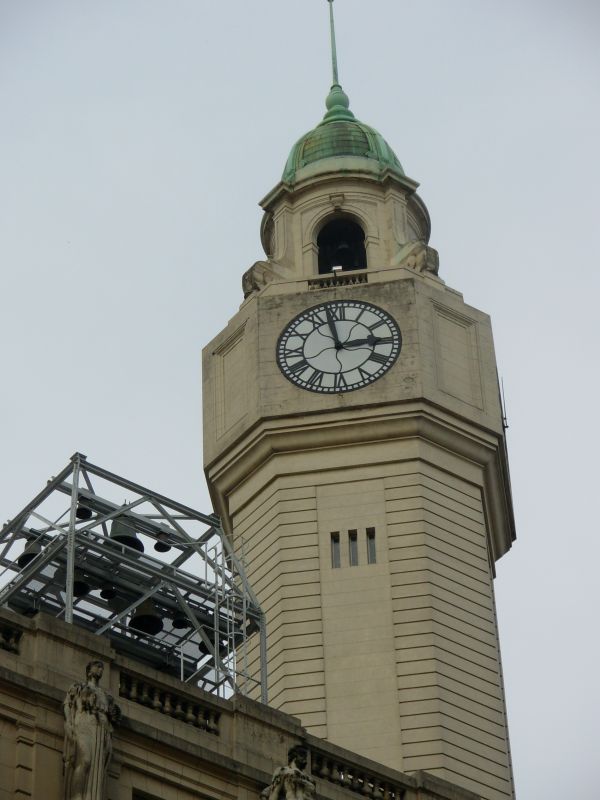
(137, 137)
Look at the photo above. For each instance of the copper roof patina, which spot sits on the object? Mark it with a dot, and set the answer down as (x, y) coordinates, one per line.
(340, 134)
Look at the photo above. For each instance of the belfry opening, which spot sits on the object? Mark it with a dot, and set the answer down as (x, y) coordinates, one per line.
(341, 243)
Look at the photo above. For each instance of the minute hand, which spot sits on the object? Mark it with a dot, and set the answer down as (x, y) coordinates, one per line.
(332, 328)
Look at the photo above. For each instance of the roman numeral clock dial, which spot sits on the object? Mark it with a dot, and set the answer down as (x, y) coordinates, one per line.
(338, 346)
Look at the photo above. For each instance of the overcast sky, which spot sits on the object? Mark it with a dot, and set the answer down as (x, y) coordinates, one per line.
(137, 137)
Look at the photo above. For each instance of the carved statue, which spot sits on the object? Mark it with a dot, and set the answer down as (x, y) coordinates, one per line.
(254, 279)
(292, 782)
(418, 256)
(259, 275)
(90, 714)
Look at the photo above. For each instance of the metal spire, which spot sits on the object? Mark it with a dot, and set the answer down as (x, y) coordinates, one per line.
(333, 46)
(338, 104)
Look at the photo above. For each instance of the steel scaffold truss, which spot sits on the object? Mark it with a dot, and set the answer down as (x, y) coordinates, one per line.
(60, 555)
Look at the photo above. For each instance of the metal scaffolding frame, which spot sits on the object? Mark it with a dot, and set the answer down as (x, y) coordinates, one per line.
(58, 556)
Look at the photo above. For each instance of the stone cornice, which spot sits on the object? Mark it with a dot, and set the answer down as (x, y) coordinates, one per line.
(416, 420)
(285, 190)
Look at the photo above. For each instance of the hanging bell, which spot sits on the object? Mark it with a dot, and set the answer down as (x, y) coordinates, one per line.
(108, 591)
(180, 621)
(343, 255)
(32, 549)
(161, 545)
(83, 512)
(122, 532)
(80, 585)
(145, 619)
(118, 603)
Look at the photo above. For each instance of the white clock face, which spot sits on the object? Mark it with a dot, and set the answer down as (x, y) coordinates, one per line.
(338, 346)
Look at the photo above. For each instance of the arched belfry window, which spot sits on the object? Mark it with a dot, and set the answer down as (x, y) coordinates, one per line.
(341, 243)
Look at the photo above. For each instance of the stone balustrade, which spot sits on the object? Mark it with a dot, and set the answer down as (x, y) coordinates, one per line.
(356, 779)
(332, 766)
(179, 705)
(341, 279)
(10, 637)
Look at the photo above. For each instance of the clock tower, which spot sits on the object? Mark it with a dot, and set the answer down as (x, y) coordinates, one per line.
(354, 449)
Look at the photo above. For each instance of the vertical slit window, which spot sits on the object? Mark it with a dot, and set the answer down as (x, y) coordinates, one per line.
(371, 551)
(335, 551)
(353, 548)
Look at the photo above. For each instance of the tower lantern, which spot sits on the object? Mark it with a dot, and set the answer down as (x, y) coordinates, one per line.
(354, 448)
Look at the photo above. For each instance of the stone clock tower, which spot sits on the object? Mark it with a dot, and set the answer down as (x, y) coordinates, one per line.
(354, 448)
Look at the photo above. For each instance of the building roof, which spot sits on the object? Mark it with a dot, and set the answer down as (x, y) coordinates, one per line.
(341, 135)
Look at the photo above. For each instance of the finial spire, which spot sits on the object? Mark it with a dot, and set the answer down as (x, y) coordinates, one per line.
(333, 46)
(338, 104)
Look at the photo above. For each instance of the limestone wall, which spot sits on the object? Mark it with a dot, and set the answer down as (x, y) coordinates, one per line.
(396, 659)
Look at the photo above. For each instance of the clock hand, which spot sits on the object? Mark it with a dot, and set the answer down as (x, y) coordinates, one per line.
(332, 328)
(371, 341)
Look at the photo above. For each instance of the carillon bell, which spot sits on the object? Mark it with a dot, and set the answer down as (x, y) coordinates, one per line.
(146, 619)
(122, 531)
(118, 603)
(180, 621)
(108, 591)
(162, 543)
(83, 512)
(32, 549)
(342, 255)
(81, 584)
(81, 587)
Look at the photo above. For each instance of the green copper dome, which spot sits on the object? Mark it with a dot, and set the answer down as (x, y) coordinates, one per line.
(340, 134)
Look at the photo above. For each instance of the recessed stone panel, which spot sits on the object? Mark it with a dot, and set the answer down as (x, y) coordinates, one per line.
(457, 355)
(230, 396)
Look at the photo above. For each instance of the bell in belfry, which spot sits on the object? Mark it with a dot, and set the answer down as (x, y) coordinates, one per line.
(81, 585)
(32, 549)
(162, 543)
(122, 531)
(83, 512)
(181, 621)
(146, 618)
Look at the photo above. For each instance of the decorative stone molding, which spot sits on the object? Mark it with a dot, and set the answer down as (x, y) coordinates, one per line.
(173, 704)
(358, 207)
(267, 235)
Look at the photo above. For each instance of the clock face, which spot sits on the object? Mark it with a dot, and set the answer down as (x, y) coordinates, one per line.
(338, 346)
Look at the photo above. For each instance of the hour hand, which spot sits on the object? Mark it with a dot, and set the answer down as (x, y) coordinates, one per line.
(370, 341)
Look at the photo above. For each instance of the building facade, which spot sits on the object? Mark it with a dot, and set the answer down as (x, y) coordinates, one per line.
(174, 742)
(354, 449)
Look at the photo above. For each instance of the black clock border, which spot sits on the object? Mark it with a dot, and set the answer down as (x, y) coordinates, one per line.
(328, 391)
